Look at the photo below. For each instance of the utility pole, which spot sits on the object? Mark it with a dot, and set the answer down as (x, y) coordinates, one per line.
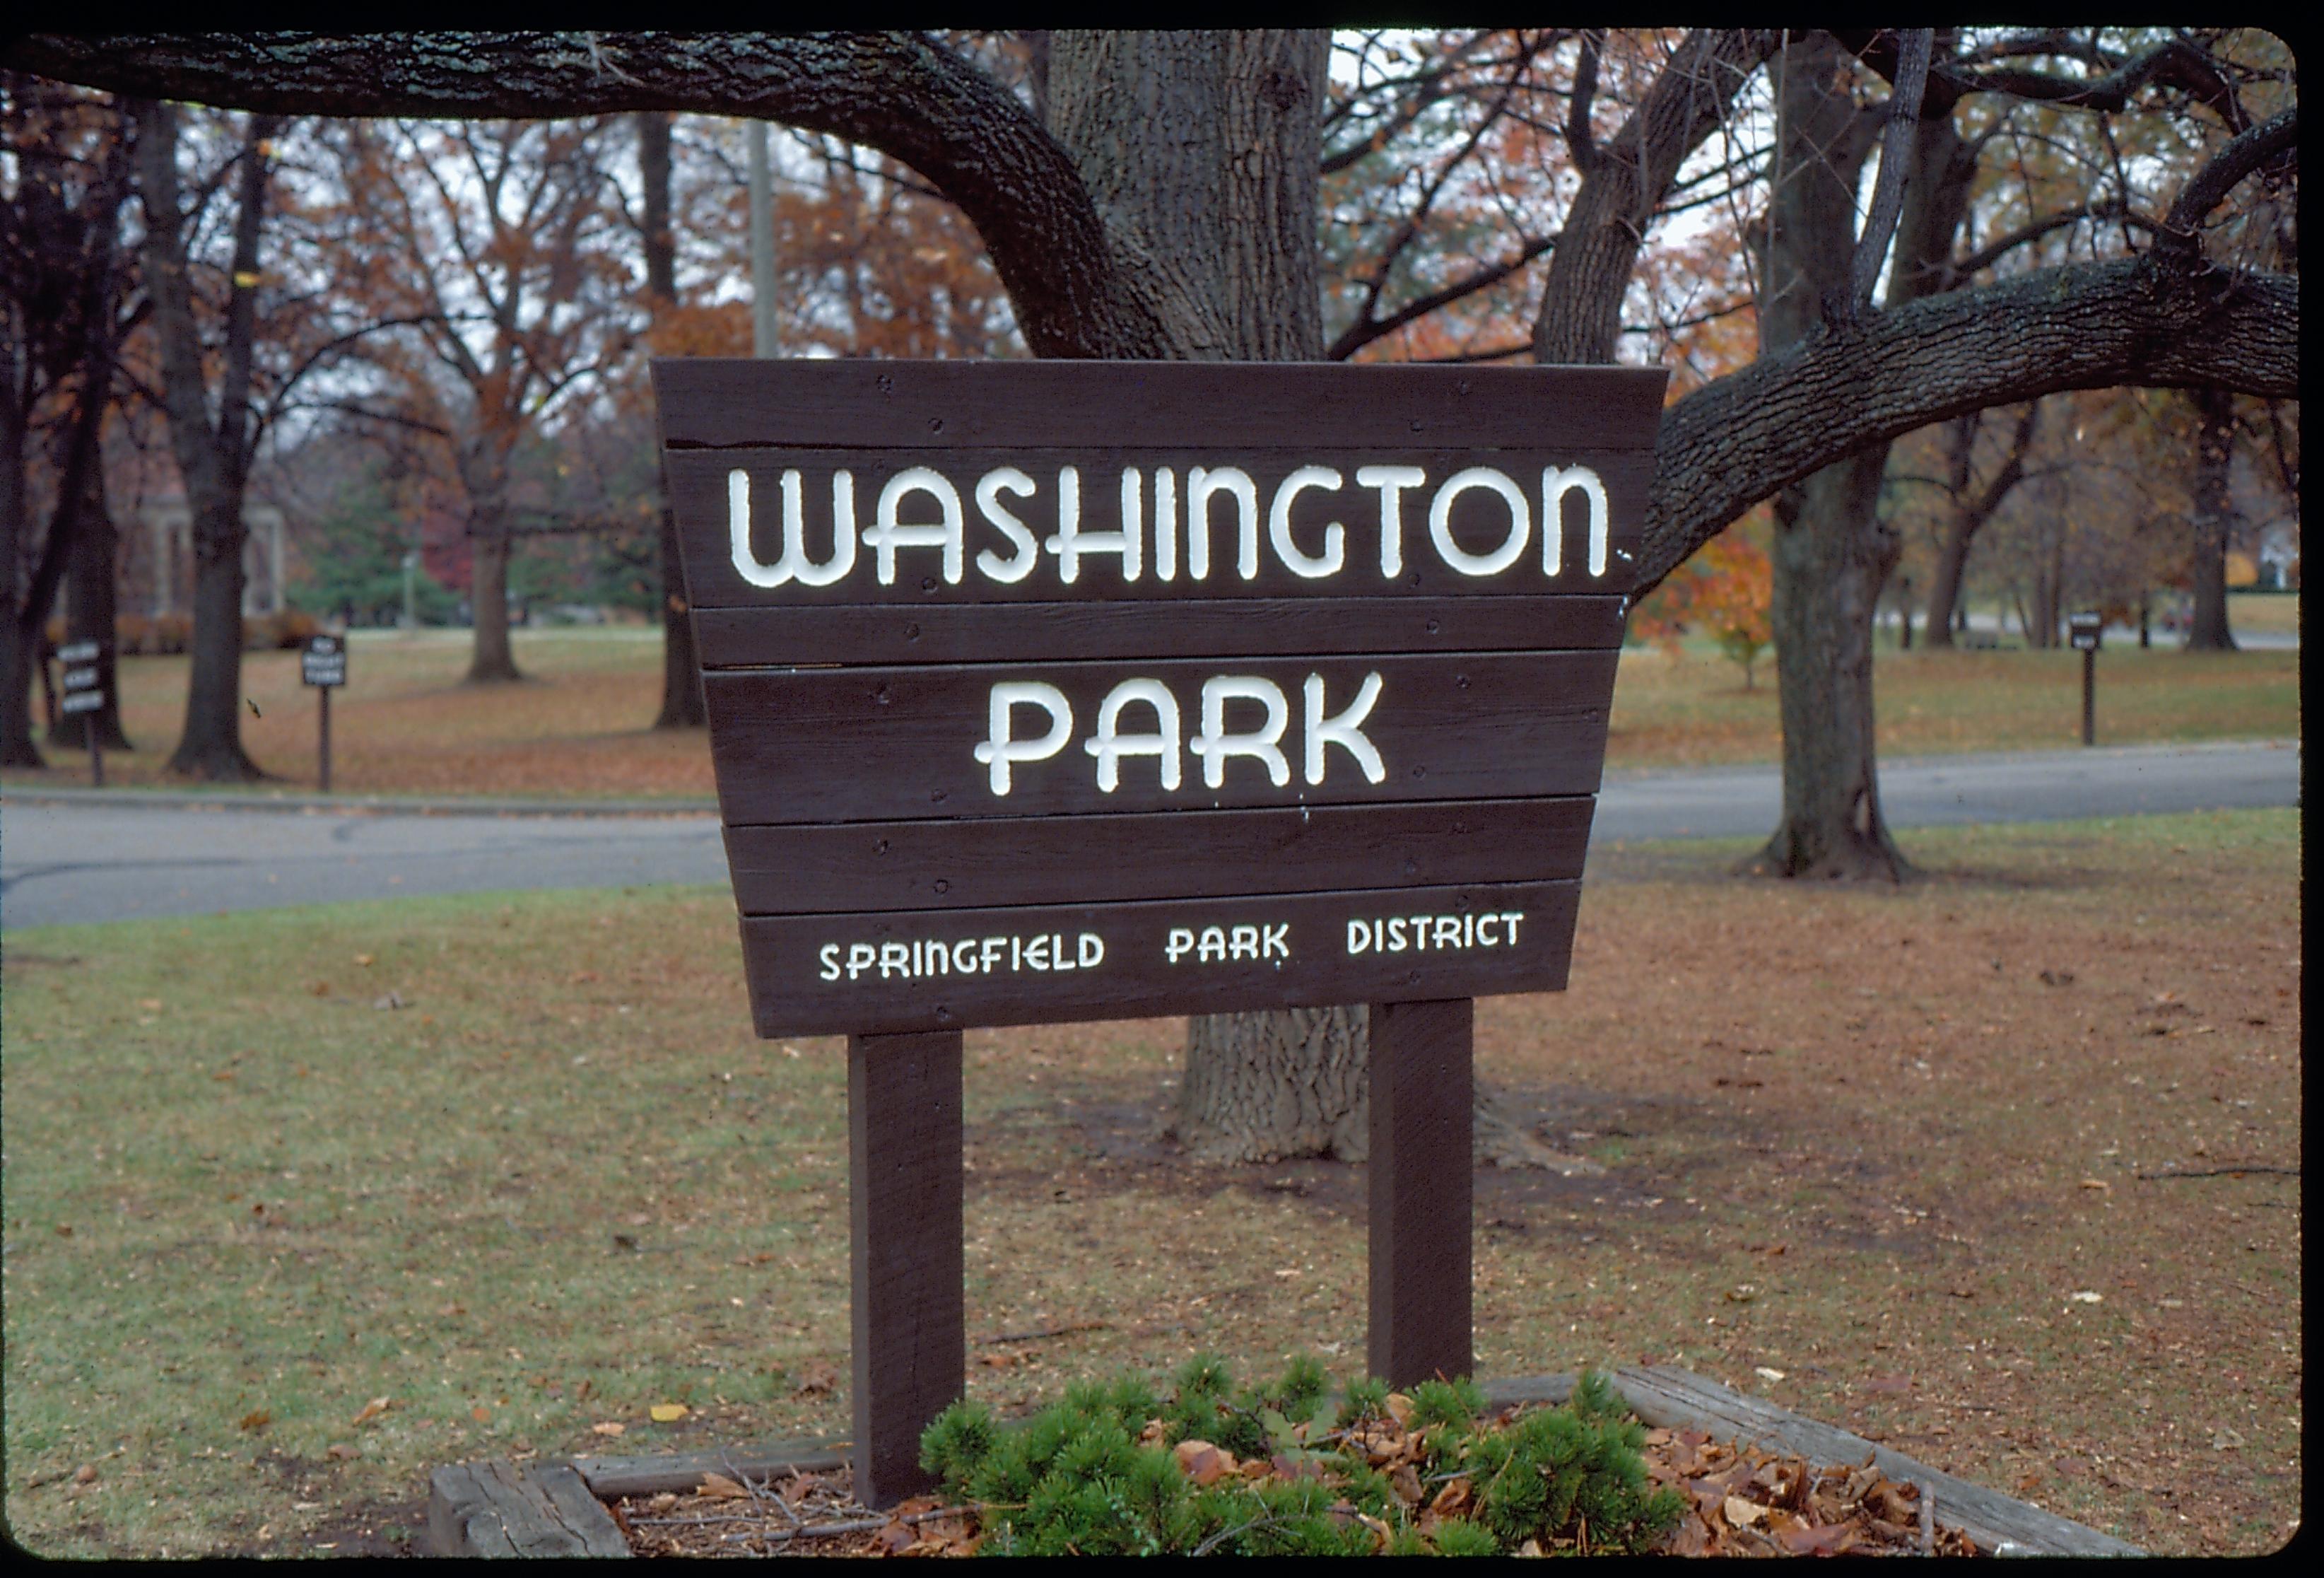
(763, 245)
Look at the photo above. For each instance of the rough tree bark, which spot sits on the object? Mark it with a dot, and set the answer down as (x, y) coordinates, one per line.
(681, 671)
(213, 445)
(2215, 447)
(1970, 511)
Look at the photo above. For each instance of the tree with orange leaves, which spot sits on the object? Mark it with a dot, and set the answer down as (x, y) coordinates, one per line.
(1722, 592)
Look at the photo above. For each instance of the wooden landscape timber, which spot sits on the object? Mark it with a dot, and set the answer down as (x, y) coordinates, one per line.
(1662, 1394)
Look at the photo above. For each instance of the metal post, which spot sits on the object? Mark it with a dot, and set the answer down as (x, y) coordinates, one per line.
(1421, 1185)
(325, 692)
(2089, 698)
(903, 1199)
(96, 747)
(763, 245)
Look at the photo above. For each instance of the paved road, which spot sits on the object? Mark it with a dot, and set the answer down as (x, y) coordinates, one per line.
(71, 860)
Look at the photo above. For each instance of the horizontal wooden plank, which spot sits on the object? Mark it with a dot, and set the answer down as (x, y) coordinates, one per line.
(995, 861)
(813, 975)
(721, 403)
(739, 638)
(899, 744)
(611, 1478)
(1380, 552)
(1674, 1398)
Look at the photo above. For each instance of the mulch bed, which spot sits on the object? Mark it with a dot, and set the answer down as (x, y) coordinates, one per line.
(1741, 1502)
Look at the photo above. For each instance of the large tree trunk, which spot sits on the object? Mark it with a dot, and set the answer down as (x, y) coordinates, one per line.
(19, 637)
(2215, 447)
(681, 670)
(90, 613)
(211, 747)
(1831, 552)
(494, 659)
(213, 452)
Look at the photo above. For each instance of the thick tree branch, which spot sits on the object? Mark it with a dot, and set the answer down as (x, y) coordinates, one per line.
(1628, 177)
(2176, 64)
(2243, 155)
(1896, 154)
(897, 92)
(2159, 320)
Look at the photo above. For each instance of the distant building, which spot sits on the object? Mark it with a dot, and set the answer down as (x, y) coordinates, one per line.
(168, 566)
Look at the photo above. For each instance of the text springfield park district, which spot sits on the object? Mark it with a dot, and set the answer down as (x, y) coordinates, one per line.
(939, 535)
(1255, 942)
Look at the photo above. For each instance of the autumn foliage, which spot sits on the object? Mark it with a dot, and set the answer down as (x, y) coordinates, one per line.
(1723, 592)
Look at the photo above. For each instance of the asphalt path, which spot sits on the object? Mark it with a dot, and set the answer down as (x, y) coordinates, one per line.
(66, 858)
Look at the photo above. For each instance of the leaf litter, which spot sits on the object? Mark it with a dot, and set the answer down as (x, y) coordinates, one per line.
(1742, 1501)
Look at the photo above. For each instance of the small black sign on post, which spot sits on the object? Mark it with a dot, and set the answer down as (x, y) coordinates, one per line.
(84, 693)
(2084, 630)
(1047, 691)
(323, 664)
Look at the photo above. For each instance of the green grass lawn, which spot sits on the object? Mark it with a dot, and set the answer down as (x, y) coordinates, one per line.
(1693, 708)
(1874, 1142)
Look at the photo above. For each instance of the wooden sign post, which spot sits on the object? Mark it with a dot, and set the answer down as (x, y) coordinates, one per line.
(2085, 630)
(1045, 691)
(323, 664)
(83, 683)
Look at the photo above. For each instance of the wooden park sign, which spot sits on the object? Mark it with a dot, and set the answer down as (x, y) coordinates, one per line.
(1049, 691)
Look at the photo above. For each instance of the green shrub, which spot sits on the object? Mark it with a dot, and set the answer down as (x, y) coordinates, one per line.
(1087, 1476)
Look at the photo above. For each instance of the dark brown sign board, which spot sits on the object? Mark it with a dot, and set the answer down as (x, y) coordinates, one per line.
(323, 660)
(1045, 691)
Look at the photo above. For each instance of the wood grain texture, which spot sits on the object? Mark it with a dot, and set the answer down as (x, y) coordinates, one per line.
(609, 1478)
(706, 402)
(495, 1508)
(1136, 976)
(865, 745)
(909, 1350)
(1479, 523)
(881, 635)
(1674, 1398)
(1420, 1187)
(858, 867)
